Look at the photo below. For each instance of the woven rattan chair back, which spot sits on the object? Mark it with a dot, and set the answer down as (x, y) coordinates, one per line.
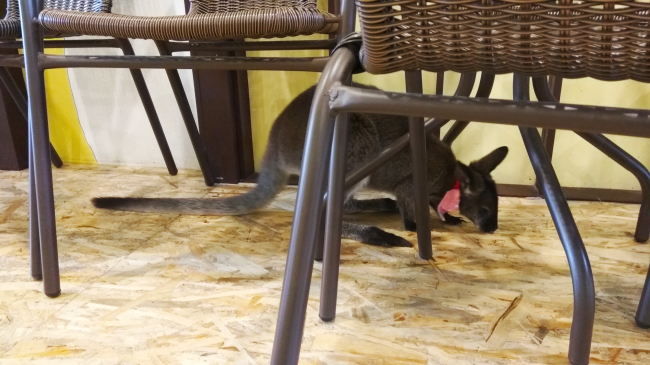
(230, 6)
(606, 40)
(207, 19)
(96, 6)
(13, 12)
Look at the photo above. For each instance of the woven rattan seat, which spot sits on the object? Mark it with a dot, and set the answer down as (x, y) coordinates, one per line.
(606, 40)
(10, 25)
(207, 19)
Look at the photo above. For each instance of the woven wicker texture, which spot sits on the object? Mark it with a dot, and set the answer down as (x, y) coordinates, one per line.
(99, 6)
(10, 25)
(603, 39)
(208, 19)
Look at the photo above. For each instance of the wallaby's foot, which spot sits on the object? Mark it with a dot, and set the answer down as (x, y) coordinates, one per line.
(453, 221)
(410, 225)
(370, 205)
(373, 236)
(378, 237)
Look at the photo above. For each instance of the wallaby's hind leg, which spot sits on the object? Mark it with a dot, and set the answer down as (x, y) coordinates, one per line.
(353, 205)
(406, 204)
(373, 236)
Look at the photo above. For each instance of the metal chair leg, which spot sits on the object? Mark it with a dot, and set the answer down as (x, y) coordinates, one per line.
(419, 167)
(584, 300)
(613, 151)
(32, 46)
(616, 153)
(188, 118)
(34, 239)
(319, 247)
(642, 317)
(319, 244)
(297, 277)
(150, 109)
(21, 102)
(335, 202)
(484, 91)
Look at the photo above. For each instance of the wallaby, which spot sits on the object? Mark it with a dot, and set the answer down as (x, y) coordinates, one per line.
(368, 134)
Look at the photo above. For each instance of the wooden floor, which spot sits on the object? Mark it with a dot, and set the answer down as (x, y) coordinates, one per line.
(168, 289)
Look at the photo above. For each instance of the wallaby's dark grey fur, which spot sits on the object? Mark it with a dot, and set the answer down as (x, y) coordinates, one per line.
(368, 134)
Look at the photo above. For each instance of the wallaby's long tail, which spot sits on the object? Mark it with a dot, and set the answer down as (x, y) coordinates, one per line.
(270, 182)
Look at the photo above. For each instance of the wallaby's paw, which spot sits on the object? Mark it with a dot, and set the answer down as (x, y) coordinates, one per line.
(410, 225)
(453, 221)
(378, 237)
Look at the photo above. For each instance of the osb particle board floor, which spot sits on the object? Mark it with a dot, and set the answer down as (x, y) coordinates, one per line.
(168, 289)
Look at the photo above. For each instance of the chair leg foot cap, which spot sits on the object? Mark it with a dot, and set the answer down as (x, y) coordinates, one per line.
(327, 320)
(53, 295)
(38, 277)
(641, 324)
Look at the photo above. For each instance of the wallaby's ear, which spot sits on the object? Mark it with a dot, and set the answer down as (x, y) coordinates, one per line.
(463, 174)
(491, 161)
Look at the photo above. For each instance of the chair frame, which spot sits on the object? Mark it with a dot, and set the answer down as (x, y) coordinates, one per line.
(334, 98)
(21, 101)
(44, 248)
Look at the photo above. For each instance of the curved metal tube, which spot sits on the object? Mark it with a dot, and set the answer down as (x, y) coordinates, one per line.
(632, 165)
(616, 153)
(300, 256)
(584, 300)
(484, 91)
(40, 144)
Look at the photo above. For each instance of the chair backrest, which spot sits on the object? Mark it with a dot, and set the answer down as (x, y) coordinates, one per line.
(226, 6)
(223, 6)
(96, 6)
(603, 39)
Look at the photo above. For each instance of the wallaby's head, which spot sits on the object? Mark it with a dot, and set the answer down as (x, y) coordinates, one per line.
(478, 192)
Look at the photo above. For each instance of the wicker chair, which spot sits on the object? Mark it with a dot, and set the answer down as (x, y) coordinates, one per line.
(206, 21)
(10, 31)
(530, 38)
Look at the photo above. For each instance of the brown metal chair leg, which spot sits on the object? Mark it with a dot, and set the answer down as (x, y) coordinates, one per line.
(617, 154)
(642, 174)
(33, 45)
(34, 237)
(419, 167)
(21, 102)
(149, 108)
(584, 297)
(297, 278)
(484, 91)
(188, 118)
(335, 201)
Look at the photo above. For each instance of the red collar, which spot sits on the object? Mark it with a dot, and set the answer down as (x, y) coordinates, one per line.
(457, 185)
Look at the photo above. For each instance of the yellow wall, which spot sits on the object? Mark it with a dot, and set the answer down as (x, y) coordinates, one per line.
(576, 162)
(271, 91)
(66, 134)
